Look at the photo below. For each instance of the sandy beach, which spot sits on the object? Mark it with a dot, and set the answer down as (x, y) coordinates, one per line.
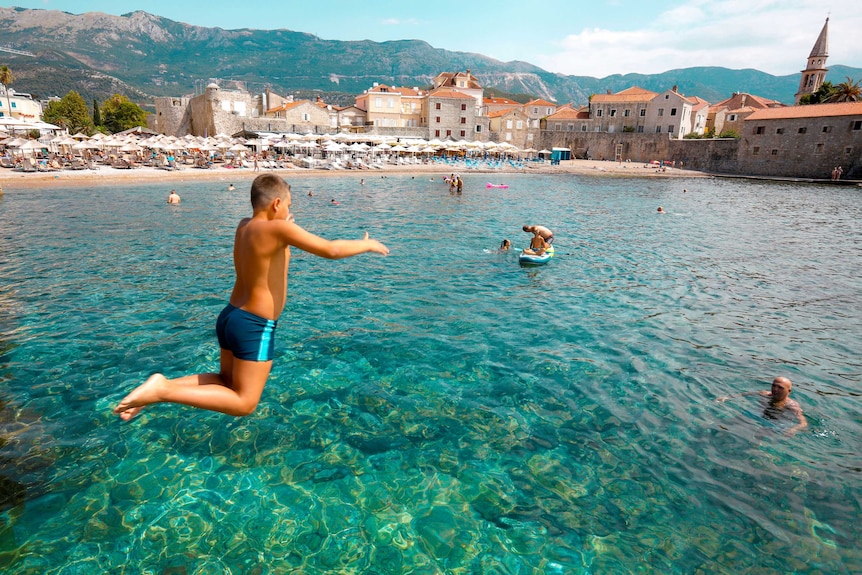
(105, 175)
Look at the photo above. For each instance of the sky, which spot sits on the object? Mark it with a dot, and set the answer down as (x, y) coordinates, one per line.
(579, 38)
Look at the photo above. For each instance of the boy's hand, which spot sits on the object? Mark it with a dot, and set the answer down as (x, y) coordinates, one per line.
(376, 246)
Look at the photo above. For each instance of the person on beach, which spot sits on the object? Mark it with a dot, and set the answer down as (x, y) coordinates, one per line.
(779, 401)
(246, 326)
(546, 234)
(173, 197)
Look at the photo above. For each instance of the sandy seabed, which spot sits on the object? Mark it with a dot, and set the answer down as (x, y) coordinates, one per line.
(11, 179)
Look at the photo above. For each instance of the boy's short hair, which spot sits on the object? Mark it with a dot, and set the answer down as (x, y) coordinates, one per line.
(265, 188)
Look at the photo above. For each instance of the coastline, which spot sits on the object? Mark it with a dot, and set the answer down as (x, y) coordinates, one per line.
(10, 179)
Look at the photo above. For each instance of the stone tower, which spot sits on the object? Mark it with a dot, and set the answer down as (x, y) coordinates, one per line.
(815, 71)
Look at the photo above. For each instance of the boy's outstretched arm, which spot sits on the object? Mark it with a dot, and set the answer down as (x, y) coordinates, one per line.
(294, 235)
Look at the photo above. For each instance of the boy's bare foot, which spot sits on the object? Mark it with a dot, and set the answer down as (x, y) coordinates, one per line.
(140, 397)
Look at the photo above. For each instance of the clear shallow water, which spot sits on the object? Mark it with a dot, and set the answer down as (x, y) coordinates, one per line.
(441, 410)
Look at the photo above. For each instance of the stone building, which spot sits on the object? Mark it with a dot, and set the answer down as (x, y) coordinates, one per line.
(623, 111)
(568, 119)
(668, 112)
(510, 125)
(301, 117)
(463, 82)
(454, 114)
(803, 141)
(729, 114)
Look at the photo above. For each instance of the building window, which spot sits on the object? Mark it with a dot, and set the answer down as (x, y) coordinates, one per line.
(390, 103)
(519, 124)
(755, 150)
(463, 107)
(857, 125)
(774, 152)
(558, 126)
(463, 133)
(535, 110)
(731, 118)
(463, 120)
(437, 119)
(437, 106)
(570, 127)
(626, 113)
(613, 113)
(599, 113)
(643, 112)
(436, 133)
(673, 111)
(658, 129)
(640, 129)
(661, 112)
(779, 131)
(508, 136)
(378, 102)
(818, 149)
(827, 129)
(759, 129)
(448, 133)
(670, 129)
(848, 150)
(508, 124)
(306, 117)
(550, 111)
(478, 129)
(802, 130)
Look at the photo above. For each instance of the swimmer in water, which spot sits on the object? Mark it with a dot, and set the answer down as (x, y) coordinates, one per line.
(779, 401)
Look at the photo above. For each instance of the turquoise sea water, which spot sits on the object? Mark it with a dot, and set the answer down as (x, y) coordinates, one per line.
(440, 410)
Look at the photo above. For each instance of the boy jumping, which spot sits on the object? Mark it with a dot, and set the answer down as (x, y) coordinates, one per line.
(246, 327)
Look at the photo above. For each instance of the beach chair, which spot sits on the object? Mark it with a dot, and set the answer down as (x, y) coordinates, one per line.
(6, 162)
(28, 166)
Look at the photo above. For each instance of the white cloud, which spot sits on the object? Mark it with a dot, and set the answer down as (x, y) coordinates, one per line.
(772, 36)
(400, 22)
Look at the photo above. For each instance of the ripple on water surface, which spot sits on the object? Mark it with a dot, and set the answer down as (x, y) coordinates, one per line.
(442, 409)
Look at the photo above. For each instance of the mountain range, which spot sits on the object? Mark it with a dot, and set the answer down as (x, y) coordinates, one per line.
(141, 55)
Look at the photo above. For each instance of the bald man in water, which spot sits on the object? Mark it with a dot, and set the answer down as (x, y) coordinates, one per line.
(779, 400)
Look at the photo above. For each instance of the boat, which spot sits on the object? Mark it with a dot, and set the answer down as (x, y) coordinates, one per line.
(536, 260)
(490, 185)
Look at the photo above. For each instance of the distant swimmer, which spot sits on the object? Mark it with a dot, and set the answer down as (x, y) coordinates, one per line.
(246, 326)
(660, 210)
(362, 181)
(779, 401)
(231, 188)
(173, 197)
(333, 202)
(504, 247)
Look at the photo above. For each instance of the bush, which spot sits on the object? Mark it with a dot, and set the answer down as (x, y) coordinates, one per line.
(729, 134)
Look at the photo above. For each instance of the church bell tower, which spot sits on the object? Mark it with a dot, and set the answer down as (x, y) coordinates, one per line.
(815, 71)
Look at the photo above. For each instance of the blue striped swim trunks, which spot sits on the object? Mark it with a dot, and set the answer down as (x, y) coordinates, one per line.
(247, 336)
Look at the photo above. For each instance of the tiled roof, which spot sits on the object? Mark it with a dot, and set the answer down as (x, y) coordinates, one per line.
(567, 113)
(498, 113)
(444, 93)
(287, 106)
(500, 102)
(812, 111)
(540, 103)
(633, 94)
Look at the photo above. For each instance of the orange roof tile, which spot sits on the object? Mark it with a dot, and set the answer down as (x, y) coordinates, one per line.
(570, 114)
(444, 93)
(500, 102)
(498, 113)
(812, 111)
(633, 94)
(540, 103)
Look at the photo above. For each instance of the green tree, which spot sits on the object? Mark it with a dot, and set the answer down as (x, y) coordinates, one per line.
(7, 78)
(97, 115)
(71, 113)
(846, 91)
(119, 114)
(821, 95)
(729, 133)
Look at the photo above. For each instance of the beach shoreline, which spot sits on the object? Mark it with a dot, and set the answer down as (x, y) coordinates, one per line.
(105, 175)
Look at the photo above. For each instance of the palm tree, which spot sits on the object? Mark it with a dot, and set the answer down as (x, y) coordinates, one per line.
(7, 78)
(847, 91)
